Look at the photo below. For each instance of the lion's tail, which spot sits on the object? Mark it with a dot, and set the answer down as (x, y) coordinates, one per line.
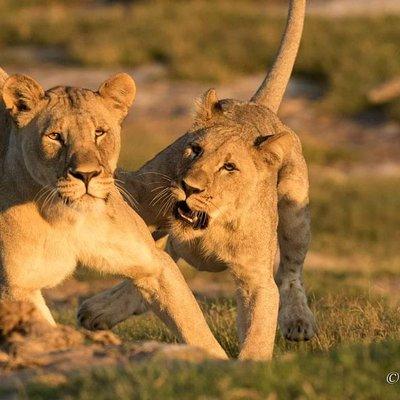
(271, 91)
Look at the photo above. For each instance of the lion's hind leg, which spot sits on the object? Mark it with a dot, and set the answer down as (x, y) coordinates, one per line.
(296, 320)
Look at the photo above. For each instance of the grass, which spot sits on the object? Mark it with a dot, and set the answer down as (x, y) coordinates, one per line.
(347, 306)
(358, 344)
(204, 40)
(356, 215)
(355, 372)
(349, 372)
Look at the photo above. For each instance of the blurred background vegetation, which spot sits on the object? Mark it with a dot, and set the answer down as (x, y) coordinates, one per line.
(212, 41)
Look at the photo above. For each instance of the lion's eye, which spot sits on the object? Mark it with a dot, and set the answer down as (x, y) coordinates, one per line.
(230, 167)
(100, 132)
(55, 136)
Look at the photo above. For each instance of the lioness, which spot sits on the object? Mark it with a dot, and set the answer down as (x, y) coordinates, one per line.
(59, 205)
(215, 192)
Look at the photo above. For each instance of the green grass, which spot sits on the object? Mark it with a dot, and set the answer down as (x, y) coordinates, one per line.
(358, 343)
(355, 372)
(347, 308)
(209, 40)
(329, 155)
(356, 215)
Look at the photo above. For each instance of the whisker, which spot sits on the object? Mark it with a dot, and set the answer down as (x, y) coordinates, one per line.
(168, 205)
(119, 184)
(165, 205)
(158, 196)
(159, 187)
(49, 193)
(43, 197)
(40, 193)
(53, 196)
(127, 196)
(131, 197)
(128, 200)
(217, 208)
(155, 173)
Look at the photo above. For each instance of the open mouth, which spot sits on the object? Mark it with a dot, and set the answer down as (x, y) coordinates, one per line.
(196, 219)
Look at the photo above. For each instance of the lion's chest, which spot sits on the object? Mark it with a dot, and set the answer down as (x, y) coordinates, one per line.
(34, 254)
(224, 241)
(112, 244)
(232, 243)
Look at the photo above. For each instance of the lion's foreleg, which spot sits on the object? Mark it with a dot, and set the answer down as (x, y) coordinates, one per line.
(34, 297)
(110, 307)
(170, 298)
(296, 320)
(258, 303)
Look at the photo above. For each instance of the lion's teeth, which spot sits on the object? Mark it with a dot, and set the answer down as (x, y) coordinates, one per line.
(184, 216)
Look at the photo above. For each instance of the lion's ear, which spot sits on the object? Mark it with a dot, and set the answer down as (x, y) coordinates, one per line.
(275, 148)
(21, 96)
(206, 106)
(119, 91)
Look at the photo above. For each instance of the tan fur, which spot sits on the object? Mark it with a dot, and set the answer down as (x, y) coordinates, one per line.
(60, 205)
(242, 206)
(242, 232)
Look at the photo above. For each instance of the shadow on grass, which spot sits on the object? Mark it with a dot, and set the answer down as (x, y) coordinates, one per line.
(356, 372)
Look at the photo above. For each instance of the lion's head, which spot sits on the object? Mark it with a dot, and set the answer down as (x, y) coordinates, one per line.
(234, 152)
(68, 139)
(230, 161)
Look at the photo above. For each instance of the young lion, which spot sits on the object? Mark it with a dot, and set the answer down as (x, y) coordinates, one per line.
(59, 205)
(215, 192)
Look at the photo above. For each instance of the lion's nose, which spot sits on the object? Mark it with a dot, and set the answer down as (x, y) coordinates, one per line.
(190, 189)
(84, 176)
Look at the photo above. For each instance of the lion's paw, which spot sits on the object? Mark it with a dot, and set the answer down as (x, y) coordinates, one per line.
(93, 316)
(107, 309)
(297, 322)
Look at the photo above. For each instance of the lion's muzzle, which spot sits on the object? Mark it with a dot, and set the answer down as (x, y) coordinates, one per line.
(84, 182)
(84, 174)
